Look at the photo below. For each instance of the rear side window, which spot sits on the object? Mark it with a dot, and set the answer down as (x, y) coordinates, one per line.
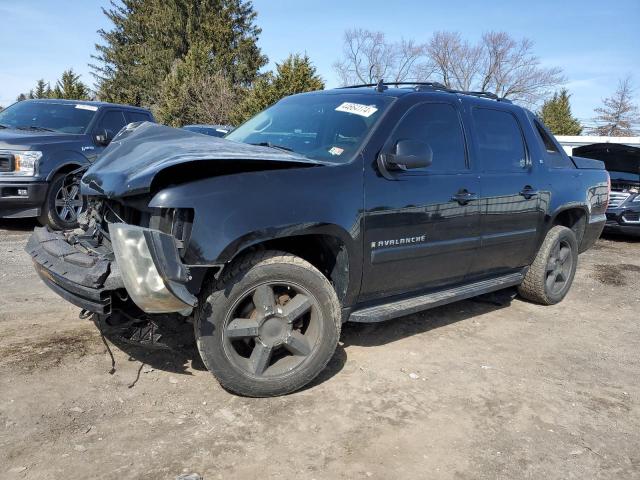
(554, 158)
(133, 117)
(112, 121)
(438, 125)
(500, 143)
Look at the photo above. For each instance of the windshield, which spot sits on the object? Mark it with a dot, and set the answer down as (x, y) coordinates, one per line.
(322, 127)
(57, 117)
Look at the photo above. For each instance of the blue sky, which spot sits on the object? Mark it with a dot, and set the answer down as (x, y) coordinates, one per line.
(595, 42)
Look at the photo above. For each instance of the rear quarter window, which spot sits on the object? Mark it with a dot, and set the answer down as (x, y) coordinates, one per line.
(554, 158)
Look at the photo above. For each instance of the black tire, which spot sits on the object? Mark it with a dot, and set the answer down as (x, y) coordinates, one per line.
(234, 355)
(550, 276)
(61, 205)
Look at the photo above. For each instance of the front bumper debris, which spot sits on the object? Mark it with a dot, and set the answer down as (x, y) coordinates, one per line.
(143, 267)
(80, 277)
(151, 269)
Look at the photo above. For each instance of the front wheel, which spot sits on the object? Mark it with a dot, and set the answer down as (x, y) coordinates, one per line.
(269, 327)
(62, 205)
(551, 274)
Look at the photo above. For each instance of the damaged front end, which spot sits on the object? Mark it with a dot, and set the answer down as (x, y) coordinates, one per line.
(107, 264)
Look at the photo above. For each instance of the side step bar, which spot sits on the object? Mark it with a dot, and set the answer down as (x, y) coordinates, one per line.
(407, 306)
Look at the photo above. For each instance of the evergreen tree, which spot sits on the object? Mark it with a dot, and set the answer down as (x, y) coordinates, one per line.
(42, 90)
(194, 92)
(150, 38)
(296, 74)
(556, 115)
(71, 87)
(619, 116)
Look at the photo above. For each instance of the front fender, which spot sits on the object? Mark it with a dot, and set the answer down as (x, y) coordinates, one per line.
(234, 212)
(60, 159)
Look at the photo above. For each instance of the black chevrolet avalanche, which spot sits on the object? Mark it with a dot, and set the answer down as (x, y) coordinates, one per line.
(355, 204)
(41, 141)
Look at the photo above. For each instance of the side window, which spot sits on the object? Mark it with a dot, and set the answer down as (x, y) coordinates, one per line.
(554, 158)
(500, 144)
(112, 121)
(133, 117)
(438, 125)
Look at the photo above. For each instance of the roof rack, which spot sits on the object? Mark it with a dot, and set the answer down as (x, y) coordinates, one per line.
(422, 86)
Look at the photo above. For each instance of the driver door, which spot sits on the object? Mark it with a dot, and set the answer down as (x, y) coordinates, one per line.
(421, 226)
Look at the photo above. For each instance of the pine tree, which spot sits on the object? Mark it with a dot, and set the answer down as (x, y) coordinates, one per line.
(619, 116)
(556, 115)
(42, 90)
(71, 87)
(194, 92)
(296, 74)
(150, 38)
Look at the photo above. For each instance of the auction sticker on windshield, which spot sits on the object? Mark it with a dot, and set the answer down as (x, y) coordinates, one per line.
(87, 107)
(357, 108)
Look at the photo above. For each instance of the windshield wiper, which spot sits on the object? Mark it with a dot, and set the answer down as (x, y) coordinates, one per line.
(272, 145)
(36, 127)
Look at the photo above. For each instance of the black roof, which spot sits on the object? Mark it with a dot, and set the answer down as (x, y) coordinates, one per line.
(408, 87)
(94, 103)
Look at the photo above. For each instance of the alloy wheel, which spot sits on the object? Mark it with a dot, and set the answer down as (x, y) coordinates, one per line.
(559, 266)
(68, 203)
(272, 329)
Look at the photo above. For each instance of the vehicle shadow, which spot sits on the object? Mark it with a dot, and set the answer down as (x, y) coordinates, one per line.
(181, 356)
(18, 224)
(379, 334)
(621, 238)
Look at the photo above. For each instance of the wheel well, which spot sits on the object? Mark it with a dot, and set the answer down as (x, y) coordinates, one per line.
(325, 252)
(573, 218)
(68, 168)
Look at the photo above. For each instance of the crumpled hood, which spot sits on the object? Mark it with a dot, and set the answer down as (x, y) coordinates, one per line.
(137, 154)
(12, 138)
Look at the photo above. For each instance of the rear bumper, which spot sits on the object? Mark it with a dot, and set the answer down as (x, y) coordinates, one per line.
(21, 199)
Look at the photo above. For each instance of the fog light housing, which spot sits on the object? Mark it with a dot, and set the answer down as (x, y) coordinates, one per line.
(144, 282)
(22, 192)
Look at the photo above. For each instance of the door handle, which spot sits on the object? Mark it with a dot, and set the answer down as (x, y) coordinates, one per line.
(529, 192)
(463, 197)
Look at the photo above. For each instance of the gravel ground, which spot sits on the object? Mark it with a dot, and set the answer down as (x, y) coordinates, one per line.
(473, 390)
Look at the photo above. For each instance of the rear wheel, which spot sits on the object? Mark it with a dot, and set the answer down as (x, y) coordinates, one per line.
(62, 205)
(550, 276)
(269, 327)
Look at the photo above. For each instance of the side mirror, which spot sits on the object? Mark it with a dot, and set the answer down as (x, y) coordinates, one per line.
(409, 154)
(104, 138)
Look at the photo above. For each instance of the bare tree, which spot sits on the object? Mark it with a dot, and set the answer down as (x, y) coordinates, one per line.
(457, 62)
(515, 72)
(498, 63)
(618, 116)
(368, 57)
(213, 100)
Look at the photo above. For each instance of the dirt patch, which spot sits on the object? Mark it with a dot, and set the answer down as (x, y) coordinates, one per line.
(614, 275)
(50, 352)
(484, 389)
